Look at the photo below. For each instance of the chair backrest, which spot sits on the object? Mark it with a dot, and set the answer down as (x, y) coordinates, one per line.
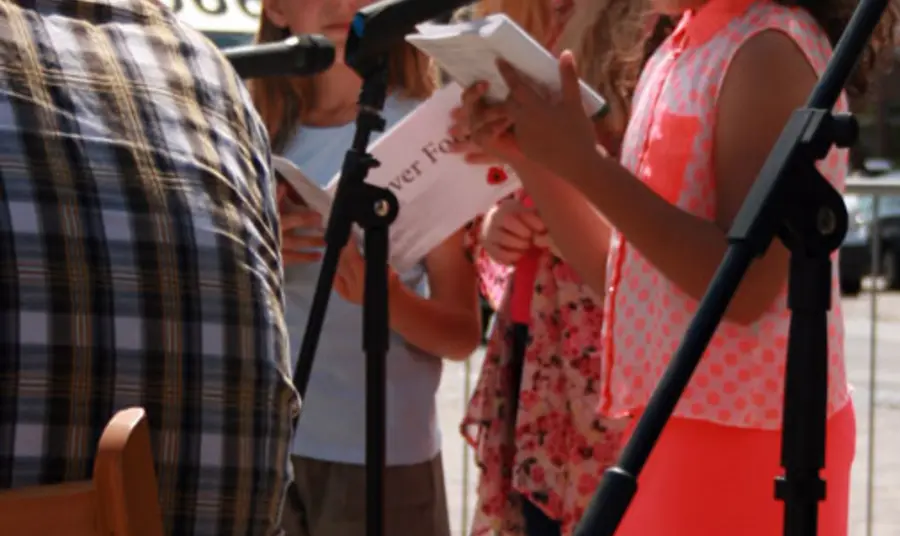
(121, 499)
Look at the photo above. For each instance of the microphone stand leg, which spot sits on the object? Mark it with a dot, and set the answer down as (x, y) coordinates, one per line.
(805, 394)
(808, 233)
(374, 209)
(377, 208)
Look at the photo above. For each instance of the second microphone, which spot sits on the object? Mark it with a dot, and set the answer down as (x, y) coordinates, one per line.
(299, 55)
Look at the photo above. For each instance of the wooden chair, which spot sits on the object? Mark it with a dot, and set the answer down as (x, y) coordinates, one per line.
(121, 499)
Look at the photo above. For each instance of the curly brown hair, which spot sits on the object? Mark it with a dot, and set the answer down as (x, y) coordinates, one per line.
(834, 15)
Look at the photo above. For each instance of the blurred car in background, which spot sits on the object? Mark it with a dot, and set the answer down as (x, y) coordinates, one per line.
(229, 39)
(856, 251)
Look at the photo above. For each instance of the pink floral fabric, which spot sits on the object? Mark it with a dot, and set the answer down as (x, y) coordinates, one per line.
(492, 277)
(558, 448)
(554, 450)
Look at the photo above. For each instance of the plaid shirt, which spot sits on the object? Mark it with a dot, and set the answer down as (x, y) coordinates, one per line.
(139, 261)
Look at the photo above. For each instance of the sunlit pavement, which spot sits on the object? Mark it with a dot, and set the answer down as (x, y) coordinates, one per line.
(886, 480)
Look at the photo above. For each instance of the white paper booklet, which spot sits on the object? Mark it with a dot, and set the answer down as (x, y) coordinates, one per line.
(438, 192)
(468, 52)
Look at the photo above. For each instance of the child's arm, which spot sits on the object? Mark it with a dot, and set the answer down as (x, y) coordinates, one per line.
(448, 323)
(576, 228)
(686, 248)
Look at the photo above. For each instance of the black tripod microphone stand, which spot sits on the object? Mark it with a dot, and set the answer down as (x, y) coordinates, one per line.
(791, 200)
(373, 209)
(375, 32)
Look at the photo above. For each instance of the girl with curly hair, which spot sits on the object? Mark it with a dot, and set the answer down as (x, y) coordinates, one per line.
(709, 106)
(539, 445)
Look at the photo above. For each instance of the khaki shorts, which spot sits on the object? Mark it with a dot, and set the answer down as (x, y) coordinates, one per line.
(329, 499)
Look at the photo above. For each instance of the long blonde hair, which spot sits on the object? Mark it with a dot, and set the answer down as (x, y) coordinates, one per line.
(534, 16)
(611, 40)
(283, 102)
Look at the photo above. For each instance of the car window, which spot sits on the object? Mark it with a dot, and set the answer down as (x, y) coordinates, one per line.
(888, 205)
(229, 39)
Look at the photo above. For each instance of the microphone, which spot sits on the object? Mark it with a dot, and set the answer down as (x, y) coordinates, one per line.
(378, 27)
(303, 55)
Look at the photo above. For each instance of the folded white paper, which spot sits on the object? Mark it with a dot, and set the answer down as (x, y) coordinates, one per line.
(468, 52)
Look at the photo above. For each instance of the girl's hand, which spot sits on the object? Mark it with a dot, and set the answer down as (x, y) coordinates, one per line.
(508, 231)
(545, 241)
(551, 130)
(483, 129)
(350, 276)
(463, 144)
(302, 237)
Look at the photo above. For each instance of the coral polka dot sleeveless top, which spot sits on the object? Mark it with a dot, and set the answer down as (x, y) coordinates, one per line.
(668, 145)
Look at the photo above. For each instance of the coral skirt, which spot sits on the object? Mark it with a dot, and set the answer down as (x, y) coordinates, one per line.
(704, 479)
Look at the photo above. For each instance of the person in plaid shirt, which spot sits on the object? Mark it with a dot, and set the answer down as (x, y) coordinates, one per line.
(139, 261)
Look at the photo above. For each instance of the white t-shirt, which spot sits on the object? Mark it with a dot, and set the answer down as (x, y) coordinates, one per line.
(333, 421)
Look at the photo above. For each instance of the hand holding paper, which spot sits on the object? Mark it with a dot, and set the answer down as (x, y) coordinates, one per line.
(485, 127)
(350, 277)
(311, 195)
(509, 230)
(301, 232)
(550, 129)
(437, 190)
(468, 52)
(462, 144)
(545, 241)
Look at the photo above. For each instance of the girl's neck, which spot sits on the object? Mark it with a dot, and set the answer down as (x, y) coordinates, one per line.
(335, 93)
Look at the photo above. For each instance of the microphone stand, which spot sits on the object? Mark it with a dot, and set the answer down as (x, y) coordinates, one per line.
(791, 200)
(374, 209)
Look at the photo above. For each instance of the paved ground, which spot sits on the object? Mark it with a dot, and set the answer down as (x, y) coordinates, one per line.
(885, 482)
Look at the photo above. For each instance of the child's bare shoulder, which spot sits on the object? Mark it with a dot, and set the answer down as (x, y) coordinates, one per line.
(771, 55)
(768, 71)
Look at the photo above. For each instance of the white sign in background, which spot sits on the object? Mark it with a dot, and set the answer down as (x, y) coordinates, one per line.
(226, 16)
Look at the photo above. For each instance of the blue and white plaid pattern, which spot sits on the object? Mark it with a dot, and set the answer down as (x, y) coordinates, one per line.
(139, 261)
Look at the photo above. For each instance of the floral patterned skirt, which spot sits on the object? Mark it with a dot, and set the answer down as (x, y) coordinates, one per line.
(533, 439)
